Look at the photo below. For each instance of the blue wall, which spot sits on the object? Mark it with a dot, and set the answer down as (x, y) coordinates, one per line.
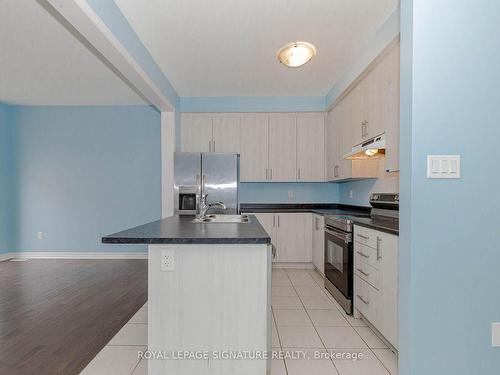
(5, 244)
(252, 104)
(361, 192)
(274, 192)
(114, 19)
(450, 252)
(83, 172)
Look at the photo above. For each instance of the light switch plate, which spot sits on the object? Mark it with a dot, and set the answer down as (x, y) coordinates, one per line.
(443, 166)
(495, 334)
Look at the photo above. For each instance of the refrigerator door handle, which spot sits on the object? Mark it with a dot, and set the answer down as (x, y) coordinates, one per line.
(198, 193)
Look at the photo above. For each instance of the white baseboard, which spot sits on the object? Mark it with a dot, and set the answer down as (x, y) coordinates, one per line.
(78, 255)
(6, 256)
(307, 266)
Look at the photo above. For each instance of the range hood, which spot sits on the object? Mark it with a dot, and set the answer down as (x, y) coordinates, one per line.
(373, 148)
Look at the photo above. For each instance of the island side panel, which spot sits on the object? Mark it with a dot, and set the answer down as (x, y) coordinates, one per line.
(216, 299)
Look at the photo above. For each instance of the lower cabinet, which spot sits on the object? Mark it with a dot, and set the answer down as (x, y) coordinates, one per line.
(376, 280)
(318, 242)
(291, 235)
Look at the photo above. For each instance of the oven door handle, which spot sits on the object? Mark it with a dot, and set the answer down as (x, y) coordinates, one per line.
(346, 237)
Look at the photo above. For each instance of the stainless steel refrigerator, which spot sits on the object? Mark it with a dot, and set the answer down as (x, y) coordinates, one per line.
(213, 174)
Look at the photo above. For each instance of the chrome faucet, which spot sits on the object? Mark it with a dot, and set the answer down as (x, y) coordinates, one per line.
(204, 206)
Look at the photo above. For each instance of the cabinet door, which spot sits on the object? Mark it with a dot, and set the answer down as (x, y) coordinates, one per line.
(318, 242)
(353, 118)
(373, 92)
(345, 144)
(331, 144)
(282, 147)
(196, 132)
(226, 134)
(294, 237)
(254, 147)
(269, 223)
(391, 110)
(311, 147)
(388, 258)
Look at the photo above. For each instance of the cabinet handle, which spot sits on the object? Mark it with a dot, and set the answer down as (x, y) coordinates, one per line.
(213, 148)
(274, 221)
(363, 237)
(378, 248)
(317, 223)
(298, 174)
(362, 272)
(267, 178)
(278, 221)
(362, 254)
(210, 146)
(363, 300)
(273, 250)
(271, 174)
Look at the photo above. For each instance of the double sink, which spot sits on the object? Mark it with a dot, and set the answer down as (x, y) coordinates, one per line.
(222, 219)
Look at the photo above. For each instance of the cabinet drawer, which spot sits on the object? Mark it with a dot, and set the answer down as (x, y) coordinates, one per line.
(367, 300)
(366, 254)
(366, 272)
(365, 236)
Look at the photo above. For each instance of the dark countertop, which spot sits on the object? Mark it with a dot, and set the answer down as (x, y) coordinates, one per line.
(317, 208)
(388, 225)
(384, 224)
(180, 230)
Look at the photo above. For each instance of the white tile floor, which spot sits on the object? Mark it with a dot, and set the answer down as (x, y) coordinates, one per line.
(305, 319)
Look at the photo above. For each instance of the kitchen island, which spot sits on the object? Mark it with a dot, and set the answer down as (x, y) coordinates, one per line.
(209, 295)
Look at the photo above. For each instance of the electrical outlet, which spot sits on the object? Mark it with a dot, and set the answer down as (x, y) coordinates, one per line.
(495, 334)
(290, 194)
(167, 260)
(39, 235)
(351, 194)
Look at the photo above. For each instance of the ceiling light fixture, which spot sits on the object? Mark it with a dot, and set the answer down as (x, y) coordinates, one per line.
(296, 54)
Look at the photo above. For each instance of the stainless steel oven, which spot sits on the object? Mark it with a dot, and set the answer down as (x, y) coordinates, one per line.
(339, 253)
(339, 259)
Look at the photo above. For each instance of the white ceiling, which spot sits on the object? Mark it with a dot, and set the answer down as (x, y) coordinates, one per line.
(228, 47)
(41, 63)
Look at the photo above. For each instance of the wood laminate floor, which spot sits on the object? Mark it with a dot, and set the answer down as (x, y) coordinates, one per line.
(56, 315)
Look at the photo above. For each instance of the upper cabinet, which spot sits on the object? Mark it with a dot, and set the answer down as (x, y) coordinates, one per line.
(226, 134)
(311, 147)
(369, 109)
(204, 132)
(254, 148)
(373, 101)
(196, 132)
(391, 119)
(339, 135)
(282, 147)
(275, 147)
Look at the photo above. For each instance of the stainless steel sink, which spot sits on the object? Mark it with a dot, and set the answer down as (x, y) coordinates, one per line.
(215, 219)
